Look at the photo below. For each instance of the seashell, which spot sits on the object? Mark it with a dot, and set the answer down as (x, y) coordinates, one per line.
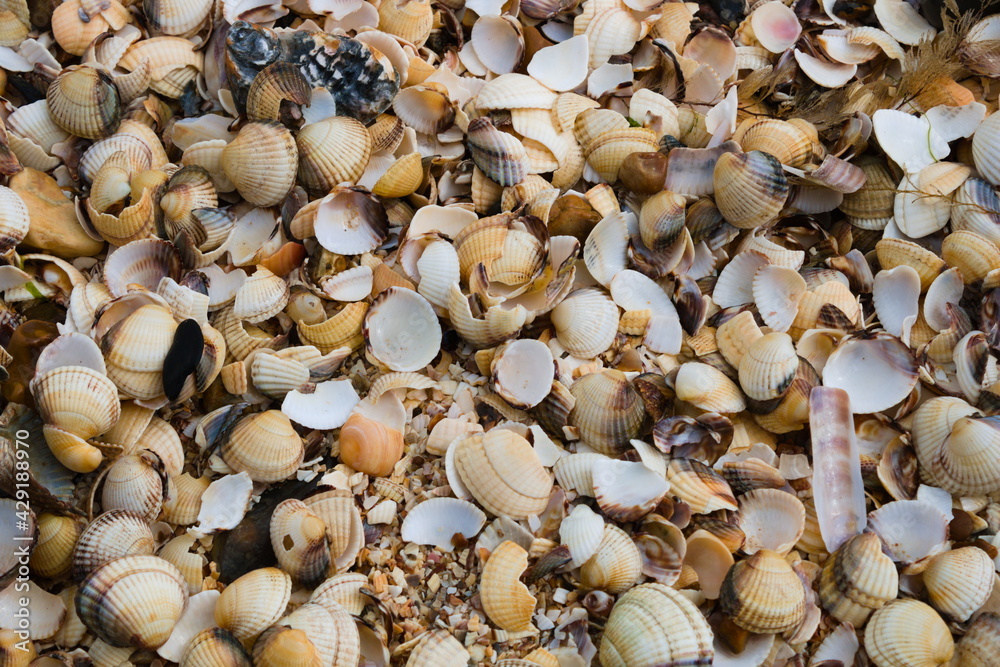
(436, 521)
(586, 322)
(771, 519)
(661, 220)
(264, 445)
(253, 602)
(883, 355)
(76, 403)
(261, 297)
(973, 255)
(519, 372)
(708, 388)
(768, 367)
(176, 18)
(278, 92)
(976, 208)
(343, 329)
(497, 324)
(561, 67)
(402, 330)
(735, 335)
(892, 523)
(298, 538)
(178, 552)
(703, 489)
(402, 179)
(331, 630)
(135, 349)
(908, 632)
(343, 522)
(608, 411)
(763, 594)
(349, 221)
(959, 581)
(628, 490)
(871, 206)
(775, 27)
(332, 151)
(188, 189)
(750, 188)
(655, 624)
(503, 473)
(52, 556)
(132, 601)
(895, 252)
(611, 33)
(498, 155)
(954, 446)
(977, 647)
(438, 648)
(750, 475)
(787, 142)
(857, 580)
(13, 219)
(582, 531)
(261, 162)
(370, 446)
(84, 101)
(282, 645)
(616, 564)
(607, 151)
(777, 291)
(136, 483)
(345, 590)
(113, 534)
(144, 263)
(215, 647)
(505, 599)
(895, 295)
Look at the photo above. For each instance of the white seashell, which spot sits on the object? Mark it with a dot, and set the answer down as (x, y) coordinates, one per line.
(897, 522)
(771, 519)
(199, 614)
(354, 284)
(627, 490)
(437, 520)
(828, 75)
(876, 372)
(901, 20)
(401, 330)
(896, 293)
(606, 249)
(563, 66)
(842, 644)
(911, 142)
(586, 322)
(777, 291)
(498, 43)
(632, 290)
(223, 504)
(838, 48)
(520, 372)
(735, 284)
(946, 289)
(581, 531)
(326, 407)
(655, 111)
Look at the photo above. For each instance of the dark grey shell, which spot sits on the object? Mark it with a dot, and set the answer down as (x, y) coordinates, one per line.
(362, 83)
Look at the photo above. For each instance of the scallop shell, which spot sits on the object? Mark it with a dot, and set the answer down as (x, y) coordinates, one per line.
(907, 633)
(768, 367)
(132, 601)
(262, 162)
(214, 647)
(857, 580)
(265, 446)
(13, 219)
(261, 297)
(499, 155)
(608, 411)
(438, 648)
(136, 348)
(253, 602)
(882, 355)
(343, 524)
(616, 564)
(703, 489)
(959, 581)
(708, 388)
(978, 647)
(113, 534)
(519, 372)
(763, 594)
(299, 540)
(84, 101)
(135, 483)
(750, 188)
(586, 322)
(655, 624)
(503, 473)
(331, 152)
(771, 519)
(505, 599)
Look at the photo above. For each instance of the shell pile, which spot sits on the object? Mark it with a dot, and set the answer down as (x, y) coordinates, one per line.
(526, 333)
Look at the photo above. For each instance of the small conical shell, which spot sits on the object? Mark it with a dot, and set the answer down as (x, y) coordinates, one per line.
(959, 581)
(763, 594)
(505, 599)
(908, 633)
(654, 624)
(84, 101)
(132, 601)
(253, 602)
(750, 188)
(262, 162)
(857, 580)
